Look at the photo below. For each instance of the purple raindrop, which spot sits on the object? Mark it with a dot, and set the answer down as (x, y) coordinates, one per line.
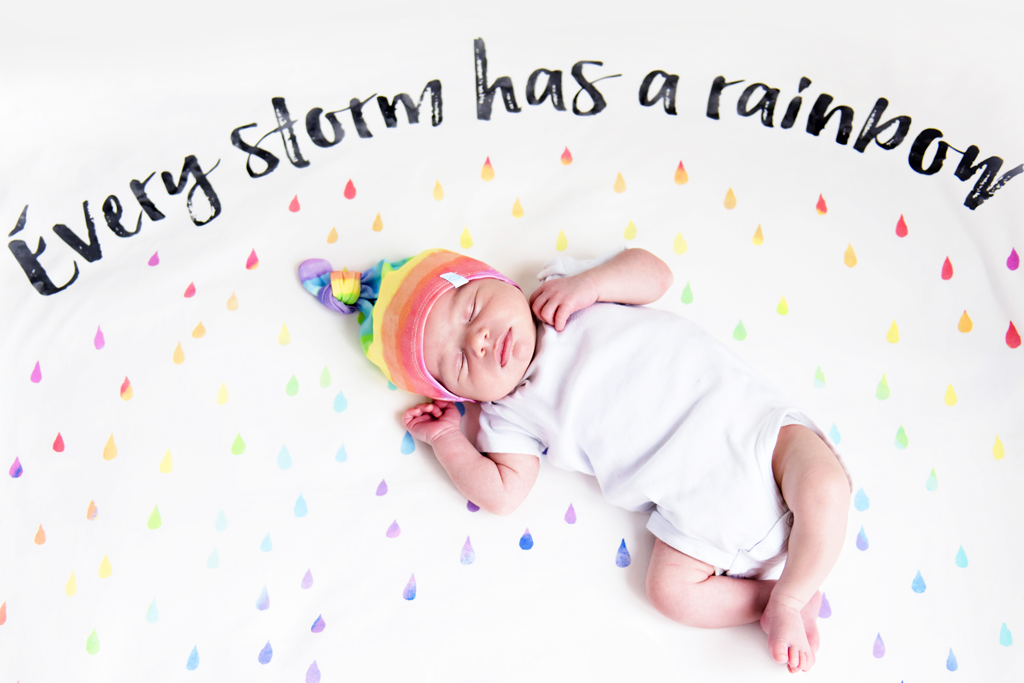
(313, 673)
(394, 530)
(879, 648)
(266, 653)
(409, 593)
(468, 555)
(318, 625)
(570, 515)
(307, 580)
(825, 611)
(471, 506)
(382, 488)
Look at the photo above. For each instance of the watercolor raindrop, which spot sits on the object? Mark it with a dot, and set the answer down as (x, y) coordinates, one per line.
(680, 176)
(232, 302)
(965, 325)
(570, 515)
(630, 231)
(266, 654)
(378, 224)
(932, 483)
(238, 446)
(263, 602)
(313, 673)
(284, 458)
(382, 488)
(221, 522)
(213, 561)
(190, 291)
(561, 243)
(730, 200)
(350, 190)
(517, 209)
(267, 545)
(1012, 336)
(951, 661)
(947, 269)
(341, 455)
(834, 434)
(178, 357)
(105, 569)
(16, 468)
(394, 531)
(878, 650)
(819, 378)
(284, 338)
(318, 625)
(526, 540)
(253, 261)
(40, 537)
(622, 558)
(1005, 637)
(438, 191)
(825, 611)
(566, 157)
(292, 387)
(126, 390)
(154, 521)
(620, 184)
(950, 397)
(783, 307)
(166, 463)
(893, 335)
(152, 614)
(679, 244)
(465, 240)
(1013, 260)
(918, 585)
(307, 580)
(154, 260)
(961, 558)
(850, 256)
(71, 587)
(301, 510)
(98, 341)
(861, 501)
(408, 445)
(92, 643)
(487, 171)
(687, 297)
(293, 206)
(222, 394)
(882, 390)
(37, 374)
(739, 333)
(468, 555)
(332, 236)
(193, 659)
(92, 511)
(901, 227)
(862, 540)
(199, 331)
(901, 438)
(472, 507)
(409, 592)
(58, 444)
(758, 239)
(821, 207)
(340, 402)
(997, 450)
(110, 450)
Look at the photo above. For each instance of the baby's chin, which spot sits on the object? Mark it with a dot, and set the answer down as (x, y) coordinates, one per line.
(499, 390)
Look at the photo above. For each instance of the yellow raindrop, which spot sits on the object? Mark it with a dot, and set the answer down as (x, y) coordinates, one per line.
(72, 586)
(284, 337)
(998, 451)
(783, 307)
(562, 243)
(199, 331)
(466, 241)
(630, 231)
(620, 184)
(378, 224)
(679, 244)
(487, 172)
(758, 237)
(233, 302)
(517, 209)
(222, 394)
(110, 450)
(165, 464)
(179, 355)
(730, 199)
(950, 396)
(849, 257)
(438, 192)
(681, 176)
(965, 324)
(105, 568)
(332, 236)
(893, 335)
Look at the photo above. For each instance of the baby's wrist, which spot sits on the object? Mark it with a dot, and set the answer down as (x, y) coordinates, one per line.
(448, 439)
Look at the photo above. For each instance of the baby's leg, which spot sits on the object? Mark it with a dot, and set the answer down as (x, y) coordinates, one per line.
(686, 590)
(817, 491)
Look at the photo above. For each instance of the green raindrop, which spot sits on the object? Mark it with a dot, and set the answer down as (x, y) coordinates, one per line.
(238, 447)
(92, 643)
(882, 391)
(154, 519)
(687, 297)
(325, 378)
(292, 387)
(901, 438)
(933, 482)
(740, 333)
(819, 378)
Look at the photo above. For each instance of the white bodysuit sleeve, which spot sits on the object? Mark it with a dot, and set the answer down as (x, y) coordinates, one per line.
(565, 266)
(498, 434)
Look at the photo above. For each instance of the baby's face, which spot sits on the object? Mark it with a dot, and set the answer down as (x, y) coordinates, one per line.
(479, 339)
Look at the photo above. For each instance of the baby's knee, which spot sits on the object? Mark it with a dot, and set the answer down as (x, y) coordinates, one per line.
(678, 601)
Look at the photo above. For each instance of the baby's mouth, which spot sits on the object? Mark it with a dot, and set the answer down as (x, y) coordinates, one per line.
(506, 347)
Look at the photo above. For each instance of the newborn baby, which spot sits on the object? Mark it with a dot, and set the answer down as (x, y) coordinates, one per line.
(670, 422)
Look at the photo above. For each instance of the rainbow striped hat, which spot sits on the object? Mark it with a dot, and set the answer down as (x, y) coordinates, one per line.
(393, 299)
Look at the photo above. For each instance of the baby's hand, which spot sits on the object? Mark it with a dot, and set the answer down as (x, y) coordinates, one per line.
(430, 421)
(558, 298)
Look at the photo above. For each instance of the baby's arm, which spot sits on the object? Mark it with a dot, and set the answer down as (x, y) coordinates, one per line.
(497, 482)
(634, 276)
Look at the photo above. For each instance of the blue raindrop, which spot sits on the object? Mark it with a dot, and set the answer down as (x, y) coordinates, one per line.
(862, 540)
(263, 602)
(152, 614)
(409, 592)
(341, 455)
(213, 561)
(526, 542)
(266, 653)
(951, 660)
(1005, 637)
(266, 545)
(408, 445)
(918, 585)
(860, 501)
(622, 558)
(300, 507)
(834, 434)
(340, 402)
(961, 558)
(284, 458)
(193, 660)
(222, 522)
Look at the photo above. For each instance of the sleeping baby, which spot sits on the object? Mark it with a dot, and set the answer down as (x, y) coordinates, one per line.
(671, 422)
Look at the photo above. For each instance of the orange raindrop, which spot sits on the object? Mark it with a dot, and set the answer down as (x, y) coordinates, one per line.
(821, 206)
(566, 157)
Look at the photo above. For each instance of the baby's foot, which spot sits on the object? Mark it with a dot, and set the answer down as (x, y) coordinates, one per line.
(787, 635)
(810, 617)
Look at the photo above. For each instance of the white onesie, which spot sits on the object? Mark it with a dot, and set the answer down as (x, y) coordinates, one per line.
(666, 417)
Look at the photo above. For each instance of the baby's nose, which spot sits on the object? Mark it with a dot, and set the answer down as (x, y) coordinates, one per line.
(481, 340)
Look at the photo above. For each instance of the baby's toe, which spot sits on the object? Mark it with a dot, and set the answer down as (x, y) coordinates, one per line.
(794, 658)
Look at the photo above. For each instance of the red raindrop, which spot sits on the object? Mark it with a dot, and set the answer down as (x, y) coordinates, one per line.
(1012, 337)
(294, 206)
(58, 443)
(350, 190)
(947, 269)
